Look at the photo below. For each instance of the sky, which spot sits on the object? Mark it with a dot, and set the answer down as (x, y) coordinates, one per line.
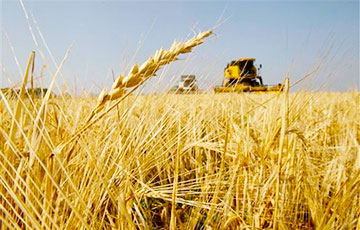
(289, 38)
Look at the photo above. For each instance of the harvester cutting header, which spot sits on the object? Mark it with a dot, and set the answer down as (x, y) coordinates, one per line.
(242, 76)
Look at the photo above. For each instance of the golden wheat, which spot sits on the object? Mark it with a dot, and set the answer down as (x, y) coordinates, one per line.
(224, 150)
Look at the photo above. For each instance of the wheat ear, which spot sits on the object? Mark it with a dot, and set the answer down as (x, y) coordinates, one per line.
(138, 75)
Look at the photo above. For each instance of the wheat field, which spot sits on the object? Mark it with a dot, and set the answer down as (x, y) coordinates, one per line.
(166, 161)
(185, 162)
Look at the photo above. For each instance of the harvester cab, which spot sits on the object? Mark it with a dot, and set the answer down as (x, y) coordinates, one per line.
(242, 76)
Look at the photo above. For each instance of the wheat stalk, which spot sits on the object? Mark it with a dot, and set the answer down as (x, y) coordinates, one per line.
(135, 78)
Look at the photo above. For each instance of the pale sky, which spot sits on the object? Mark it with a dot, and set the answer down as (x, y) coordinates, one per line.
(289, 38)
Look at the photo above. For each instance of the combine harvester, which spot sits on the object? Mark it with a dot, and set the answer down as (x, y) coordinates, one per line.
(242, 76)
(187, 85)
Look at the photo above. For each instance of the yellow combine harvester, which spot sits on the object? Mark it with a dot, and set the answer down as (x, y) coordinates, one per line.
(242, 76)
